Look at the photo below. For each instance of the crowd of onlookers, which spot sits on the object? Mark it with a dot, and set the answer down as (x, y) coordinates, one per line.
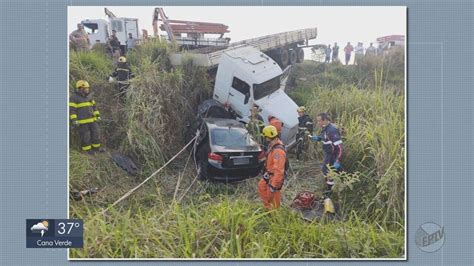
(79, 40)
(332, 53)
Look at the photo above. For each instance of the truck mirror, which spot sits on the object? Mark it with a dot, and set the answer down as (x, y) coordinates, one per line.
(247, 97)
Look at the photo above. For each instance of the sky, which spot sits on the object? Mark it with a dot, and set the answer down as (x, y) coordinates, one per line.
(335, 24)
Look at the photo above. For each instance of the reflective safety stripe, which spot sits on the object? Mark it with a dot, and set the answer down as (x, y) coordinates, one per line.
(122, 69)
(79, 105)
(86, 148)
(87, 121)
(73, 116)
(123, 82)
(96, 113)
(84, 104)
(327, 142)
(96, 145)
(338, 142)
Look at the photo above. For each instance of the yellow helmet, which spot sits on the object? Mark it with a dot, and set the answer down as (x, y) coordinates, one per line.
(301, 109)
(82, 84)
(270, 132)
(122, 59)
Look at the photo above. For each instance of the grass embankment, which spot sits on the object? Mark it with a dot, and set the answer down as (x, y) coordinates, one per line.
(371, 116)
(165, 220)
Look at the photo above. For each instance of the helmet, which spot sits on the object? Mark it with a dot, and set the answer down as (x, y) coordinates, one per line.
(269, 132)
(122, 59)
(82, 84)
(301, 109)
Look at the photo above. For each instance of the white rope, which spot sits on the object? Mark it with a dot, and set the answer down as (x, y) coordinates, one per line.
(148, 178)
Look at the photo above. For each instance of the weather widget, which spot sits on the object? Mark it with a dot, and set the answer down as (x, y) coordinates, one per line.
(54, 233)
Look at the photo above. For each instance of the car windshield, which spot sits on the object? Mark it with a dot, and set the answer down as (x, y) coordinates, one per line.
(266, 88)
(231, 137)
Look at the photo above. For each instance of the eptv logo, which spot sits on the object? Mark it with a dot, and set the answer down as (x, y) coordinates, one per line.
(430, 237)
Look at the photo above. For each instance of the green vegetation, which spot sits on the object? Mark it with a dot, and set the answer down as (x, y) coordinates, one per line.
(371, 118)
(174, 216)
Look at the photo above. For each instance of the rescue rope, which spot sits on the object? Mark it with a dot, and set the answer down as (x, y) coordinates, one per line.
(180, 175)
(148, 178)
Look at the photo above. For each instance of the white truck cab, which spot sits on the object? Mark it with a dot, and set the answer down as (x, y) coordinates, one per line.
(245, 76)
(99, 29)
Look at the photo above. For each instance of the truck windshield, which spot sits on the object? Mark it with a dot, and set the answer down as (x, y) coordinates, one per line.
(266, 88)
(90, 28)
(231, 137)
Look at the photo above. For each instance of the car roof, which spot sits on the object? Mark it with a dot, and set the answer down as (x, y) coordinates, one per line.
(222, 123)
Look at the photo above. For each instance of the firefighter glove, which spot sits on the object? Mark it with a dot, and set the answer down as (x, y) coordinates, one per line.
(337, 165)
(315, 138)
(98, 118)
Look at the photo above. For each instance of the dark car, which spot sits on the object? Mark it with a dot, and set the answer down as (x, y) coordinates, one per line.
(224, 150)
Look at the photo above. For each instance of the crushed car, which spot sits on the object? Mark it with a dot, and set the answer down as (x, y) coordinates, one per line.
(224, 150)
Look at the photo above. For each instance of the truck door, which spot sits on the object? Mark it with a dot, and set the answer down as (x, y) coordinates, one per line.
(119, 27)
(239, 97)
(131, 26)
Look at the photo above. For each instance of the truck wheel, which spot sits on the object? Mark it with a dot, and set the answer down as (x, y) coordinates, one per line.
(293, 56)
(299, 55)
(284, 57)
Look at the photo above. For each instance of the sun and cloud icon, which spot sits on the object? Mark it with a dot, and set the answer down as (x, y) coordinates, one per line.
(40, 227)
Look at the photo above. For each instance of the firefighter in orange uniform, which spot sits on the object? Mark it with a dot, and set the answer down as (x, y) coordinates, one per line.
(275, 122)
(270, 185)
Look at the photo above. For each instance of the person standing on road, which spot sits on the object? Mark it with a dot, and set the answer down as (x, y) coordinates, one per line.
(359, 53)
(84, 114)
(327, 51)
(332, 146)
(113, 44)
(371, 50)
(131, 42)
(269, 187)
(335, 53)
(348, 51)
(80, 39)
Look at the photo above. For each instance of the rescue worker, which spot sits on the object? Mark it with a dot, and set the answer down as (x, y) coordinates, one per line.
(332, 146)
(255, 125)
(84, 115)
(304, 121)
(122, 73)
(274, 172)
(276, 123)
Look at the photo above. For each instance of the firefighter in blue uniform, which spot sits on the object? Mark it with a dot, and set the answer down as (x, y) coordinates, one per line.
(332, 146)
(84, 115)
(123, 73)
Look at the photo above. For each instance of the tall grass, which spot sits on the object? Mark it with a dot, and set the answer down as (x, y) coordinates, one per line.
(160, 103)
(226, 228)
(373, 127)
